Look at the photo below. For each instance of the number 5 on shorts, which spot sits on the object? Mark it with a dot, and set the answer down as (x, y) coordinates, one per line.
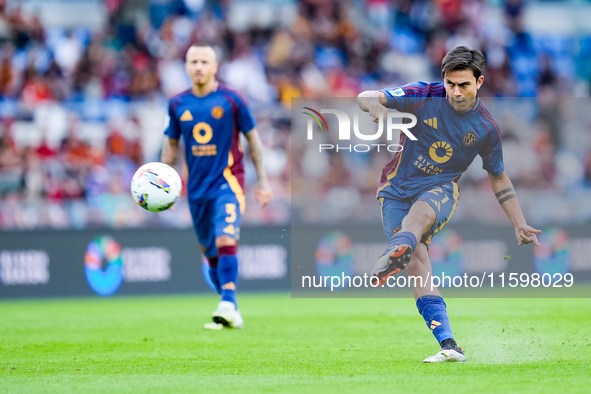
(231, 218)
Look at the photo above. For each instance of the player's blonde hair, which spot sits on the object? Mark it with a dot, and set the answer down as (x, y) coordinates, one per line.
(205, 45)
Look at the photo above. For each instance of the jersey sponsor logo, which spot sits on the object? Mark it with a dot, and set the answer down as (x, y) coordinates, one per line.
(440, 152)
(204, 150)
(431, 122)
(469, 138)
(217, 112)
(398, 92)
(202, 132)
(427, 167)
(186, 116)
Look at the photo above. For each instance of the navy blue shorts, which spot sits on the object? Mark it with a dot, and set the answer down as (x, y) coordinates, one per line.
(443, 199)
(214, 218)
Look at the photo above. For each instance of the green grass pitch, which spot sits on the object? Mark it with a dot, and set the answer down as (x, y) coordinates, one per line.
(156, 344)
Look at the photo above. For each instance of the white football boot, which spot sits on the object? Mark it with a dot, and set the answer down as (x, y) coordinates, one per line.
(227, 315)
(213, 326)
(392, 263)
(447, 356)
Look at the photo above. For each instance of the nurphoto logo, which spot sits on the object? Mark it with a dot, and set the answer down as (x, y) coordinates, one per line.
(394, 121)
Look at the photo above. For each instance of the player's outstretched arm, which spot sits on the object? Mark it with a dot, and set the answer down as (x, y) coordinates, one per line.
(505, 194)
(371, 97)
(374, 102)
(170, 151)
(262, 192)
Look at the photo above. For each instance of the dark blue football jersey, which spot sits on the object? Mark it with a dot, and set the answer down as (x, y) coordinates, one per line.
(210, 127)
(447, 141)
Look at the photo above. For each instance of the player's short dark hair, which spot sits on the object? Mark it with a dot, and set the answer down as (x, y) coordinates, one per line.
(204, 45)
(463, 58)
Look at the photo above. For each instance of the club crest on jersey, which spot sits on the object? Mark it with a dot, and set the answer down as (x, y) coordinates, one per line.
(217, 112)
(469, 138)
(440, 152)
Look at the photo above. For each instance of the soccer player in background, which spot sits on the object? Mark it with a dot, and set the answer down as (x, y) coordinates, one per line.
(418, 191)
(210, 117)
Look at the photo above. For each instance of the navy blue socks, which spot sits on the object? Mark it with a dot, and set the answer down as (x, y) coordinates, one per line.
(228, 272)
(433, 310)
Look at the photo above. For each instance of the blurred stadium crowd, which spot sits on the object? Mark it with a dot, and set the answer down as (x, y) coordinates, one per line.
(82, 107)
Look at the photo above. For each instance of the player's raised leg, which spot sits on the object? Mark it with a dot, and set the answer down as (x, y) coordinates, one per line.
(432, 307)
(427, 215)
(402, 239)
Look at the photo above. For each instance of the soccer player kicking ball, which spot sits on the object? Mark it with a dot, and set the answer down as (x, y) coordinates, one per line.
(209, 117)
(418, 192)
